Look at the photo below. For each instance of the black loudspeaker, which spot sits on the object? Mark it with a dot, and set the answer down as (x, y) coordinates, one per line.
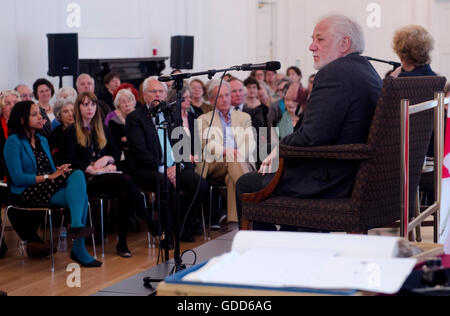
(62, 54)
(182, 52)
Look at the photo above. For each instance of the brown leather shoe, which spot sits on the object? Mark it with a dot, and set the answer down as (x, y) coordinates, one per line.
(38, 250)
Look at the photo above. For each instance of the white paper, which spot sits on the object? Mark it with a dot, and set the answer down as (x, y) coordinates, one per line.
(314, 261)
(343, 244)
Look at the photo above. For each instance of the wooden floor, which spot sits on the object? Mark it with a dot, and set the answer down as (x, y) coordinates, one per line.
(21, 276)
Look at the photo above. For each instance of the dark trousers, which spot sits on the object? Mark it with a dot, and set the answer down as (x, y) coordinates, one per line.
(26, 224)
(153, 181)
(121, 187)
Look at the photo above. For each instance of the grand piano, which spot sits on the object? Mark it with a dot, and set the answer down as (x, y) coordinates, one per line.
(131, 70)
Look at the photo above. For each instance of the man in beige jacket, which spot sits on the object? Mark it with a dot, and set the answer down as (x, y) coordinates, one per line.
(229, 146)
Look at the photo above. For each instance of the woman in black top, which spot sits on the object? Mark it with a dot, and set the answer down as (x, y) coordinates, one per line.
(125, 103)
(91, 149)
(63, 114)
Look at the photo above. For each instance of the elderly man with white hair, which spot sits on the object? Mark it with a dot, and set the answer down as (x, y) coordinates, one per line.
(85, 83)
(146, 157)
(230, 151)
(340, 110)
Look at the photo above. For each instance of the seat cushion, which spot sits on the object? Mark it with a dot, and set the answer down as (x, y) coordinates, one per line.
(324, 214)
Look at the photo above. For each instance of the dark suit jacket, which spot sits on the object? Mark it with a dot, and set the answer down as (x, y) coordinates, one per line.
(339, 112)
(144, 149)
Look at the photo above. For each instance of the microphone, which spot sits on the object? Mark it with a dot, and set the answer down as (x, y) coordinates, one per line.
(392, 63)
(270, 65)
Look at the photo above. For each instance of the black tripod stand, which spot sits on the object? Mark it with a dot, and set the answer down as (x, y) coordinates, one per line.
(178, 122)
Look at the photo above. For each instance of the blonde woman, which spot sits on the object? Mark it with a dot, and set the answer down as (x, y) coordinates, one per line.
(90, 148)
(413, 45)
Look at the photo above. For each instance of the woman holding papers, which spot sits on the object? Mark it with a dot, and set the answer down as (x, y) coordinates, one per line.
(89, 147)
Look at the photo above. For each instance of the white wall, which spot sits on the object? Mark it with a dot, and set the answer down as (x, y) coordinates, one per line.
(225, 31)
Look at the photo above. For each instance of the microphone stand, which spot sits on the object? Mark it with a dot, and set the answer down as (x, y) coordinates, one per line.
(179, 84)
(392, 63)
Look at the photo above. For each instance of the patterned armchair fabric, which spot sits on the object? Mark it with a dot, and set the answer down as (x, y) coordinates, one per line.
(376, 199)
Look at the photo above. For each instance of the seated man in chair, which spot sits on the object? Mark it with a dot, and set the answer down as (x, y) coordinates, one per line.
(340, 111)
(230, 152)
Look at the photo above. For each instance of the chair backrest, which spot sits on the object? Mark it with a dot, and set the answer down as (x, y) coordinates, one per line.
(377, 185)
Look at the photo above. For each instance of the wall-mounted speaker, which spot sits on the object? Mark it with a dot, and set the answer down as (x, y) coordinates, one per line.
(182, 52)
(62, 54)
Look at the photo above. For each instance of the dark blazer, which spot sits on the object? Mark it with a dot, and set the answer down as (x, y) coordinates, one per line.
(80, 157)
(339, 112)
(144, 149)
(57, 145)
(422, 71)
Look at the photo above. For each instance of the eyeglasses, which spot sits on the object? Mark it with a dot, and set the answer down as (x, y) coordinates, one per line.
(156, 91)
(26, 96)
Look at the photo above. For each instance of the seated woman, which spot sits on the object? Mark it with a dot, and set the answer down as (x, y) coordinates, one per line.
(7, 101)
(413, 45)
(63, 93)
(89, 147)
(198, 94)
(35, 180)
(291, 117)
(43, 91)
(63, 110)
(125, 103)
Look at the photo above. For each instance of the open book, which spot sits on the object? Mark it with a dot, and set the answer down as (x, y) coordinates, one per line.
(313, 261)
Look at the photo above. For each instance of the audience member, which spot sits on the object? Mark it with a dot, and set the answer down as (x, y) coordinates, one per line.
(294, 74)
(311, 83)
(63, 110)
(170, 83)
(199, 93)
(271, 81)
(231, 143)
(63, 93)
(85, 83)
(66, 92)
(131, 88)
(238, 96)
(413, 45)
(291, 116)
(35, 180)
(8, 99)
(25, 92)
(43, 91)
(146, 155)
(125, 103)
(278, 108)
(253, 106)
(112, 83)
(340, 111)
(90, 148)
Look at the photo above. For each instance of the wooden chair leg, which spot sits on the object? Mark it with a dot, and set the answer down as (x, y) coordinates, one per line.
(245, 225)
(417, 211)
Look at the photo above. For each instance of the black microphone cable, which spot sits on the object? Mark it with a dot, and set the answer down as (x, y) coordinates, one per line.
(204, 162)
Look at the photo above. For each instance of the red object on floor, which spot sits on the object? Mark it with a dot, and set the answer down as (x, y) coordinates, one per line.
(446, 261)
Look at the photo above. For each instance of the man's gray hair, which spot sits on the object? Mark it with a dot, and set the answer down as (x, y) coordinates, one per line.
(213, 85)
(150, 79)
(84, 75)
(59, 104)
(343, 26)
